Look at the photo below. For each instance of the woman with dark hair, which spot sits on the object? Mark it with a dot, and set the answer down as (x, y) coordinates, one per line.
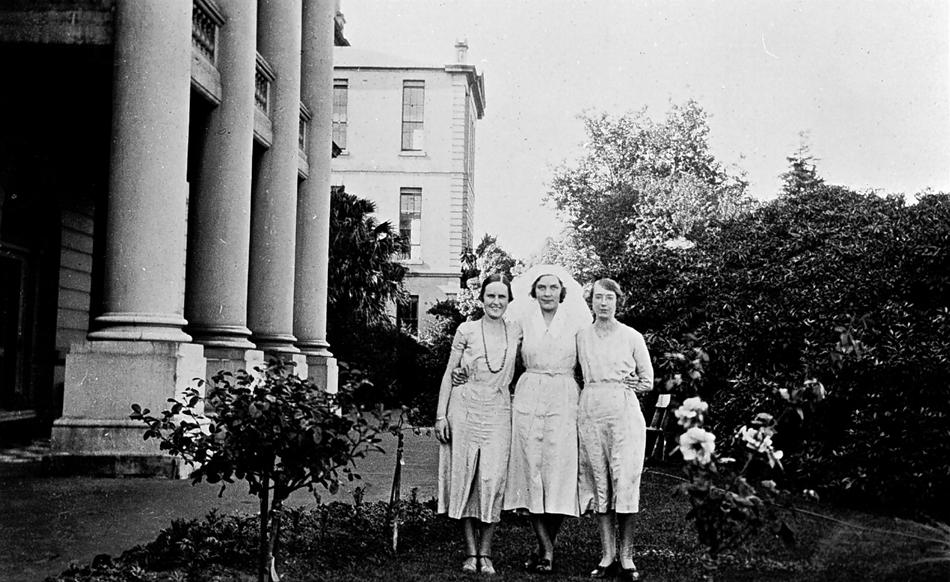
(542, 470)
(610, 427)
(473, 423)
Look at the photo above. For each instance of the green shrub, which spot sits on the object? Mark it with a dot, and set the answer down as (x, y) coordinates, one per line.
(769, 295)
(275, 431)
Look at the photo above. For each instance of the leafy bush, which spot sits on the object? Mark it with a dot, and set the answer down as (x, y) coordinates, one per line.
(275, 431)
(772, 293)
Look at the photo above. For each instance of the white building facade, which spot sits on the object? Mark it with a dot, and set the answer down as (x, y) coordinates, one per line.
(407, 135)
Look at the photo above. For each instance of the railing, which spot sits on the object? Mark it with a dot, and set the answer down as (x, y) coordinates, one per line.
(305, 117)
(206, 20)
(263, 79)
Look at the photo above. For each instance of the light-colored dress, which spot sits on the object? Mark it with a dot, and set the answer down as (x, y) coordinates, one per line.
(473, 465)
(542, 469)
(610, 426)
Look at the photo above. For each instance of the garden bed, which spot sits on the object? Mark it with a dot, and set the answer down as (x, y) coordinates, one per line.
(341, 542)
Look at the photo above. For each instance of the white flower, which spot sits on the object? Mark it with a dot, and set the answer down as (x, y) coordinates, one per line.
(697, 444)
(690, 413)
(680, 242)
(757, 439)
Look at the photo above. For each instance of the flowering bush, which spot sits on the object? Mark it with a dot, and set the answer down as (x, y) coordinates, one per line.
(728, 505)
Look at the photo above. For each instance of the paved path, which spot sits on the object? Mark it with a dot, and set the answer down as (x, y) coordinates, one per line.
(47, 522)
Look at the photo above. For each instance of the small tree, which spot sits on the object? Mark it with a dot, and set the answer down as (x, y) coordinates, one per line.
(363, 263)
(802, 174)
(490, 258)
(275, 431)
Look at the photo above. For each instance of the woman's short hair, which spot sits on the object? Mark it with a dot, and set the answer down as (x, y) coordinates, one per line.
(496, 278)
(609, 285)
(559, 282)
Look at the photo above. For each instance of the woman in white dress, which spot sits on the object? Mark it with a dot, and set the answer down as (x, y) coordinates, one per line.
(473, 423)
(611, 428)
(542, 469)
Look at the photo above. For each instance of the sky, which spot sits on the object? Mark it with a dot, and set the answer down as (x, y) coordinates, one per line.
(867, 81)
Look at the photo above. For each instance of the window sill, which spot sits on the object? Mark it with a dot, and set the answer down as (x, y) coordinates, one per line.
(410, 261)
(413, 154)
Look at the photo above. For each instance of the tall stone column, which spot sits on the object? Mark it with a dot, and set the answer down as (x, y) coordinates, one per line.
(146, 216)
(216, 300)
(139, 353)
(274, 221)
(313, 202)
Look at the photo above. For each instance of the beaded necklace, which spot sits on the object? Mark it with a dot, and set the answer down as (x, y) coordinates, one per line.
(485, 347)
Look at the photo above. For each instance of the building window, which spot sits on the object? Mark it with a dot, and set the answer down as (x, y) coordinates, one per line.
(340, 96)
(407, 314)
(410, 222)
(413, 100)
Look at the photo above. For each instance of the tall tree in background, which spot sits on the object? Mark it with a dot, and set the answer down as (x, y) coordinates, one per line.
(567, 250)
(364, 276)
(490, 258)
(641, 183)
(802, 174)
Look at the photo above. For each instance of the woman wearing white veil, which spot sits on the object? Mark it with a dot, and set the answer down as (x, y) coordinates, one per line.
(542, 469)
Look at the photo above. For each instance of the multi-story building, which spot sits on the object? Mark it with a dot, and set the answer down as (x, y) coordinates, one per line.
(407, 135)
(164, 206)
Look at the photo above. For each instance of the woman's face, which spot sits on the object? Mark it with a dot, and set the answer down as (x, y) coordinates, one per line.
(495, 299)
(604, 302)
(548, 292)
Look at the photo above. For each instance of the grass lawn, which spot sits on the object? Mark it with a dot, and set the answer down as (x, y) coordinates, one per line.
(337, 542)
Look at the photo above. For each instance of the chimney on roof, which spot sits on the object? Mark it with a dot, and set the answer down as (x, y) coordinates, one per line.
(461, 51)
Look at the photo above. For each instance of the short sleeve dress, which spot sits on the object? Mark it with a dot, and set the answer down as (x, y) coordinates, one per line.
(542, 469)
(610, 426)
(473, 465)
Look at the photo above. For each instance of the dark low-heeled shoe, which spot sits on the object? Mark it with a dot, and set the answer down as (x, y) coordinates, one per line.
(629, 574)
(531, 563)
(607, 571)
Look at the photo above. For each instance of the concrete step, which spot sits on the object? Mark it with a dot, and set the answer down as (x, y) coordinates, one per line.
(28, 460)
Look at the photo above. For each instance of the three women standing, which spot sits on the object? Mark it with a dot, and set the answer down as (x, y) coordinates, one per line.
(473, 423)
(566, 455)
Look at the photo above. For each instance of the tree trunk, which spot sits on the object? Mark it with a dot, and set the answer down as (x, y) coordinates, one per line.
(395, 494)
(275, 513)
(262, 561)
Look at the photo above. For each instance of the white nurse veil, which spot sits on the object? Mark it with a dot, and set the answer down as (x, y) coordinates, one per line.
(573, 311)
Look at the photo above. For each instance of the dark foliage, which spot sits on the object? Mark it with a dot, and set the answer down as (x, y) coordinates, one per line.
(363, 273)
(850, 289)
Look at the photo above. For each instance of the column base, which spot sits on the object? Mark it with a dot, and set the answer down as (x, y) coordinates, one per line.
(103, 380)
(221, 336)
(149, 327)
(278, 344)
(323, 372)
(315, 348)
